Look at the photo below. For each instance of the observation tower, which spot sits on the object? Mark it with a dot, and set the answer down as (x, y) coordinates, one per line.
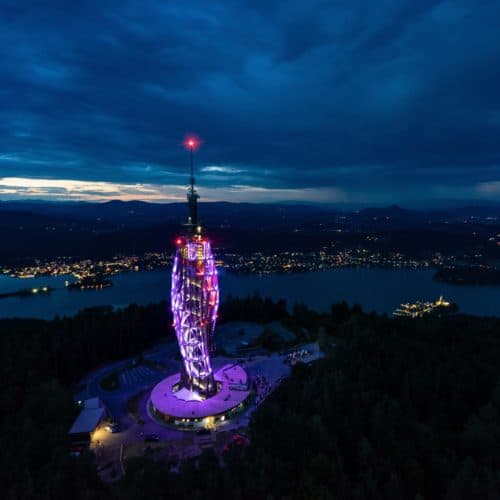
(198, 392)
(195, 299)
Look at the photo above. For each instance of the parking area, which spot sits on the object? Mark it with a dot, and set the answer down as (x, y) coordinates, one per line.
(139, 376)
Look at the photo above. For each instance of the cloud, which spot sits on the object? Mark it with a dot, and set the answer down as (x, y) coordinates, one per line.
(375, 99)
(65, 190)
(69, 189)
(221, 169)
(264, 194)
(491, 188)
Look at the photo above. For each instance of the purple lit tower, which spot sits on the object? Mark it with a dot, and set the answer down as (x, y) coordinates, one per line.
(195, 299)
(198, 396)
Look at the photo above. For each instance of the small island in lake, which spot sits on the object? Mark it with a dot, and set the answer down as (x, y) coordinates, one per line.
(27, 292)
(91, 282)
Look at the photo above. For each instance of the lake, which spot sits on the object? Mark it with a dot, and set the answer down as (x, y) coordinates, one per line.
(375, 289)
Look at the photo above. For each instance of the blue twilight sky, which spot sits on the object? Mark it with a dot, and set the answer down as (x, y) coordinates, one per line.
(329, 101)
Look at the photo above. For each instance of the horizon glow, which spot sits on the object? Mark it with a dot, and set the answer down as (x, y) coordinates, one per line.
(98, 191)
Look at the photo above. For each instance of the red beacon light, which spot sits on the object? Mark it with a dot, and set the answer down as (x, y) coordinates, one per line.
(192, 142)
(178, 241)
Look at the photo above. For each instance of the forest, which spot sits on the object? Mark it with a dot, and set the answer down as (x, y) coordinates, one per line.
(397, 409)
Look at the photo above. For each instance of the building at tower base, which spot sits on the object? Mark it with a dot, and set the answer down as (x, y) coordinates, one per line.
(174, 405)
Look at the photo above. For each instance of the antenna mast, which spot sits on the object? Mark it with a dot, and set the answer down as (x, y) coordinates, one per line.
(192, 195)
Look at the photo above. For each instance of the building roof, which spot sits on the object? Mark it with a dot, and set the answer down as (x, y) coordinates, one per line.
(87, 421)
(183, 404)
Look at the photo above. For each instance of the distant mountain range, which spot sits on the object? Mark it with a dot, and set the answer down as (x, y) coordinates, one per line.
(242, 214)
(143, 213)
(32, 229)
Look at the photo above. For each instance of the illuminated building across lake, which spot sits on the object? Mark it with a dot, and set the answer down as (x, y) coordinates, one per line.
(420, 309)
(197, 393)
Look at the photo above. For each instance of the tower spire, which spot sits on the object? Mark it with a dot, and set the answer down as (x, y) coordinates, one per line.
(192, 195)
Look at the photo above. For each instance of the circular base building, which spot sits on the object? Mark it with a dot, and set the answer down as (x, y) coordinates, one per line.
(175, 405)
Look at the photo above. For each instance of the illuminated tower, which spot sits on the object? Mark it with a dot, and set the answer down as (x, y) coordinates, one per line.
(195, 298)
(197, 396)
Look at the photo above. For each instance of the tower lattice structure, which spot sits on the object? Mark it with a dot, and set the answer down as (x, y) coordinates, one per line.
(195, 301)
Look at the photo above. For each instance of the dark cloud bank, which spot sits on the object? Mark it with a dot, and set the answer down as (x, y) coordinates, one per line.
(346, 101)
